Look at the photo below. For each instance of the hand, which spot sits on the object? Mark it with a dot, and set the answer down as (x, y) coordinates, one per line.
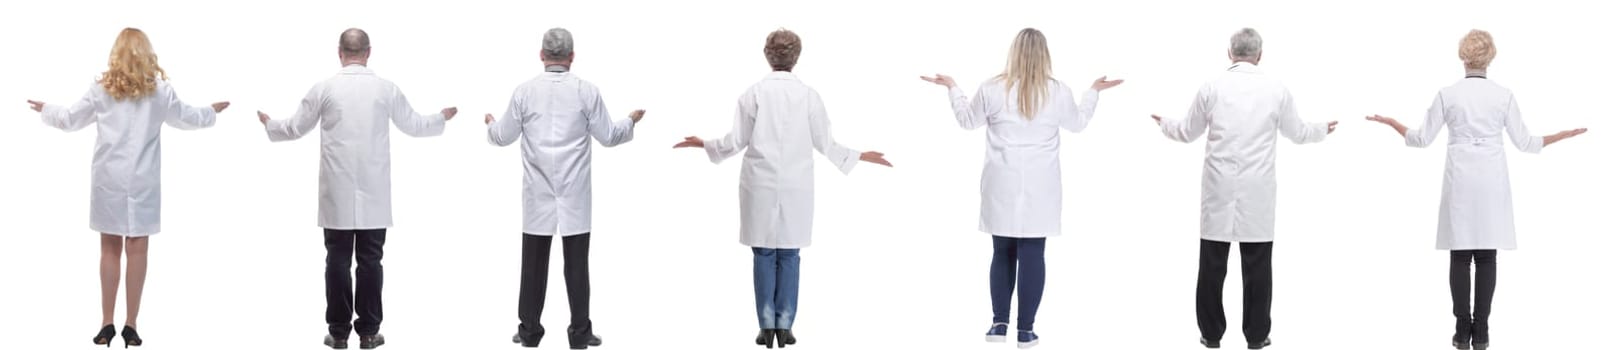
(1383, 120)
(874, 157)
(1156, 119)
(1101, 84)
(488, 119)
(448, 113)
(1570, 133)
(1331, 126)
(940, 80)
(220, 106)
(636, 115)
(690, 142)
(263, 118)
(36, 106)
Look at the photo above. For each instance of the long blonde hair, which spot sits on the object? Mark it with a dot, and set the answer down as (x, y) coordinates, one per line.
(1029, 69)
(132, 69)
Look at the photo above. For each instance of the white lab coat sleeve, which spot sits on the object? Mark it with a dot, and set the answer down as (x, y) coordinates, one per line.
(506, 130)
(607, 132)
(1518, 132)
(1075, 116)
(183, 116)
(818, 120)
(306, 118)
(745, 117)
(971, 114)
(1296, 130)
(413, 123)
(73, 117)
(1189, 129)
(1433, 121)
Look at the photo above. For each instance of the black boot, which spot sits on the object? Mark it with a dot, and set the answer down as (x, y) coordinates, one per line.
(1482, 335)
(1464, 335)
(765, 338)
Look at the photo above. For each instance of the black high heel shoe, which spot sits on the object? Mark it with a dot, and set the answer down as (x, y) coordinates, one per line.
(105, 337)
(130, 337)
(765, 338)
(785, 337)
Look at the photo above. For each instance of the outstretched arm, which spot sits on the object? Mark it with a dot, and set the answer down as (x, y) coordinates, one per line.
(187, 117)
(1521, 134)
(1075, 116)
(824, 141)
(505, 131)
(1189, 129)
(308, 114)
(971, 114)
(607, 132)
(1299, 131)
(739, 137)
(413, 123)
(70, 118)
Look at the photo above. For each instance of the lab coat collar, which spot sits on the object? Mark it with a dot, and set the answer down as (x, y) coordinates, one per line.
(1244, 67)
(356, 69)
(781, 75)
(555, 68)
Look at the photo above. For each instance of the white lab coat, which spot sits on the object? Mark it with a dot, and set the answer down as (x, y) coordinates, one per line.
(1243, 111)
(1476, 199)
(555, 115)
(1021, 191)
(778, 123)
(126, 173)
(352, 110)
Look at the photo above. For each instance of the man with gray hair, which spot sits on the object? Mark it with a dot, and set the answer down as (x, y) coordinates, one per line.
(352, 110)
(1241, 110)
(555, 115)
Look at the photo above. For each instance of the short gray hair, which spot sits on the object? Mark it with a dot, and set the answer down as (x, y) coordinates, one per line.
(1246, 43)
(557, 44)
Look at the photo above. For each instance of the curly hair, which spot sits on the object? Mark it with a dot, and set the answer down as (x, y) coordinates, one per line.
(132, 69)
(1476, 49)
(782, 49)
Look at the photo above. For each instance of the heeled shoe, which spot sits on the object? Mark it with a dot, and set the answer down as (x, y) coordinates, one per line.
(785, 337)
(105, 336)
(765, 338)
(130, 337)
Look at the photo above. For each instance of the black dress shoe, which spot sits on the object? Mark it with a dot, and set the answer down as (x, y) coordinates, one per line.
(371, 341)
(1210, 344)
(335, 343)
(1264, 344)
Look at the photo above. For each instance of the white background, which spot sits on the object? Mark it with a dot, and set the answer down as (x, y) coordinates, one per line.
(897, 261)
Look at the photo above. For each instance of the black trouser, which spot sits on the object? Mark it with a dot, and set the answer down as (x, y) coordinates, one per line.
(1475, 324)
(1257, 265)
(535, 283)
(340, 303)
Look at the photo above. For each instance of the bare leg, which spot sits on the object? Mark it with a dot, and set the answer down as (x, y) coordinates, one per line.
(111, 258)
(137, 277)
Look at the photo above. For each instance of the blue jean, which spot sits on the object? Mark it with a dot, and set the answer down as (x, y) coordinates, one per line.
(1007, 253)
(777, 277)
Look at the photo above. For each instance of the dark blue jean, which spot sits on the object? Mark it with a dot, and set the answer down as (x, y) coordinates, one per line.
(777, 277)
(1022, 257)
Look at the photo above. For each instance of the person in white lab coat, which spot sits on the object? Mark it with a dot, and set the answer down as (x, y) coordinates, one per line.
(129, 104)
(1243, 110)
(352, 110)
(1476, 201)
(778, 123)
(555, 115)
(1023, 109)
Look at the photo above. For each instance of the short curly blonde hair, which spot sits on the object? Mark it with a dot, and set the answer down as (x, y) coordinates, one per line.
(1476, 49)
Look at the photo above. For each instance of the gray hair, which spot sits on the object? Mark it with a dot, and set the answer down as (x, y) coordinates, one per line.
(557, 44)
(354, 42)
(1246, 43)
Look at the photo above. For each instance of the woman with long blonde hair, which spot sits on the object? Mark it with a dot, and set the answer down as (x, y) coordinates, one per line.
(1022, 109)
(129, 104)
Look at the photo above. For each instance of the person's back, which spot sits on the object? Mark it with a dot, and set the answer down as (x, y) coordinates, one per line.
(1477, 109)
(558, 114)
(1245, 110)
(780, 156)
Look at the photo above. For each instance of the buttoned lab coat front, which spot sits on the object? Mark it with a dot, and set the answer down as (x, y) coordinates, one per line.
(555, 115)
(779, 122)
(1243, 111)
(1476, 198)
(353, 110)
(126, 172)
(1021, 191)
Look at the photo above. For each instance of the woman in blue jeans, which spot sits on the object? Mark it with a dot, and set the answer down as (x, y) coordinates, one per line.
(779, 122)
(1022, 109)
